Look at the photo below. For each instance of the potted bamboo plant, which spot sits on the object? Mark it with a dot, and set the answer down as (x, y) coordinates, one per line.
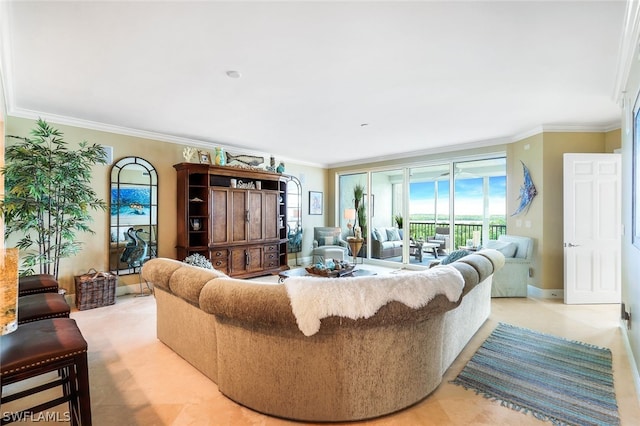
(48, 196)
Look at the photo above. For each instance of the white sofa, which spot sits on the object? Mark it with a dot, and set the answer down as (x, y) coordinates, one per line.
(513, 279)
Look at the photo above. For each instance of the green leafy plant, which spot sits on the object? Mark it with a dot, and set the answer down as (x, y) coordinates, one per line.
(358, 194)
(48, 196)
(399, 220)
(362, 218)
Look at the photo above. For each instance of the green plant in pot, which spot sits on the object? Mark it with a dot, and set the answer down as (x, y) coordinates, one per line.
(358, 195)
(48, 196)
(399, 220)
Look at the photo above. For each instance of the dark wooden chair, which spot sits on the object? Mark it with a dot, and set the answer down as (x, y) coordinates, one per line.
(38, 348)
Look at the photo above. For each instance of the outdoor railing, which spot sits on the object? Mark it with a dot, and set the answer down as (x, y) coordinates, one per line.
(422, 230)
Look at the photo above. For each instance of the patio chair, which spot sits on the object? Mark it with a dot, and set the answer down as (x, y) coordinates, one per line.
(442, 238)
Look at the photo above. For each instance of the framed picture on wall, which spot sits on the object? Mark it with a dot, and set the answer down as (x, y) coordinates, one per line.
(315, 203)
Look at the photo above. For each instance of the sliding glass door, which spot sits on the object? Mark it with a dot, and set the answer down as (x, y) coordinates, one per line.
(429, 213)
(386, 209)
(414, 215)
(479, 201)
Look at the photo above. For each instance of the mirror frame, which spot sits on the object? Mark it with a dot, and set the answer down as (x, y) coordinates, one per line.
(120, 222)
(294, 222)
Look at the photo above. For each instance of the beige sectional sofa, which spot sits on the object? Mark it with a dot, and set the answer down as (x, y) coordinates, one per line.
(245, 336)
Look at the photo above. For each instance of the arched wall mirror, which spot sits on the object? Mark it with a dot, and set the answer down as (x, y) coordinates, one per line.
(133, 224)
(294, 215)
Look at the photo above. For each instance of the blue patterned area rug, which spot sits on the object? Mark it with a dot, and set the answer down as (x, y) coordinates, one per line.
(557, 380)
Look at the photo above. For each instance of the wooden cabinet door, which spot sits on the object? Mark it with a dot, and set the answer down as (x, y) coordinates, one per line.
(271, 215)
(219, 219)
(246, 260)
(255, 261)
(255, 202)
(239, 214)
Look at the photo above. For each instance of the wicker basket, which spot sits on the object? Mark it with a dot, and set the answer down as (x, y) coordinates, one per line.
(95, 289)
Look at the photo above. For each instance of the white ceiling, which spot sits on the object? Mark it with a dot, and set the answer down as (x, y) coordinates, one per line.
(422, 75)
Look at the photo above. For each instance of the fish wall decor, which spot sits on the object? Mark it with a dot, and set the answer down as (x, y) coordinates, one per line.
(249, 160)
(527, 192)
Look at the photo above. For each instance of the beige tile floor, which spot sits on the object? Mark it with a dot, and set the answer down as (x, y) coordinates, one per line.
(136, 380)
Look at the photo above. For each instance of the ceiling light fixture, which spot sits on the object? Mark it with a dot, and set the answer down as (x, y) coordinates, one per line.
(233, 74)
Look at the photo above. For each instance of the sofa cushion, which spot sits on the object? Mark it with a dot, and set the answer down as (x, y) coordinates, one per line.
(393, 234)
(506, 248)
(453, 256)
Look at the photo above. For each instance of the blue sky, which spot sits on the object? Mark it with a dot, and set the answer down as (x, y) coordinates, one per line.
(468, 194)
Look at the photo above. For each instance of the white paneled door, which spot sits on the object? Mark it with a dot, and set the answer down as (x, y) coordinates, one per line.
(592, 228)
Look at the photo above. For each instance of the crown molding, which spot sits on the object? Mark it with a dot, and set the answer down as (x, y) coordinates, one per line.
(566, 128)
(431, 151)
(145, 134)
(627, 49)
(548, 128)
(179, 140)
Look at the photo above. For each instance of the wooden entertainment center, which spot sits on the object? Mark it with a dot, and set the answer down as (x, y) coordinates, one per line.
(236, 217)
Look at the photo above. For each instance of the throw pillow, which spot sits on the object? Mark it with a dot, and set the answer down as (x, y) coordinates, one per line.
(380, 236)
(329, 241)
(442, 237)
(455, 255)
(508, 249)
(393, 235)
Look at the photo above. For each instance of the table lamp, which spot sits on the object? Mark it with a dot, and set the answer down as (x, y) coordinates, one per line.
(8, 290)
(350, 214)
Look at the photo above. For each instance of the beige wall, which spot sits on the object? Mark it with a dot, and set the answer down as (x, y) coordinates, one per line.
(162, 155)
(529, 223)
(613, 140)
(551, 250)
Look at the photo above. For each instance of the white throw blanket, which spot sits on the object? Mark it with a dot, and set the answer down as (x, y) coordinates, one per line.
(314, 298)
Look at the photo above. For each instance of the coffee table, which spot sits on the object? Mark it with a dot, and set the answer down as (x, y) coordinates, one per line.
(301, 272)
(416, 249)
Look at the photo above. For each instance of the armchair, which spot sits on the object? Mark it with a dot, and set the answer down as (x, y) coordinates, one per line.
(512, 280)
(328, 243)
(442, 237)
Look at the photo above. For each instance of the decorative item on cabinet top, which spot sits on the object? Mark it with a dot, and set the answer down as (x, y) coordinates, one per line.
(205, 157)
(188, 153)
(245, 185)
(249, 160)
